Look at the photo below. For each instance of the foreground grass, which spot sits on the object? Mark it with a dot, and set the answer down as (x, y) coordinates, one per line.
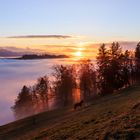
(111, 117)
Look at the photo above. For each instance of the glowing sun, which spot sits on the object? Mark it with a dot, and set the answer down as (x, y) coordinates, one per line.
(78, 54)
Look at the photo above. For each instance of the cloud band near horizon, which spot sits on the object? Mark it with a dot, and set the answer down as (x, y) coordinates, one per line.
(42, 36)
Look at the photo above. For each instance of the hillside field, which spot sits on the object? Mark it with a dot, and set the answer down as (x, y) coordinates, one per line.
(111, 117)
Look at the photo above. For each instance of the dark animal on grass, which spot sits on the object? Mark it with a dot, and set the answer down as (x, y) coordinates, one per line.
(79, 104)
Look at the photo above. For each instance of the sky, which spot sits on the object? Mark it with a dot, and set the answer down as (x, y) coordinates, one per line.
(85, 21)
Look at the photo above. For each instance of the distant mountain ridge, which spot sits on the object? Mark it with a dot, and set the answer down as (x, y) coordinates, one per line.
(28, 55)
(7, 53)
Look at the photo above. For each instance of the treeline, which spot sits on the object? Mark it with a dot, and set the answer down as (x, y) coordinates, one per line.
(114, 69)
(43, 56)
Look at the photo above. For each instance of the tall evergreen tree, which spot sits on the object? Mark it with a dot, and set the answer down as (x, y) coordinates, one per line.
(23, 104)
(127, 68)
(137, 51)
(110, 68)
(103, 70)
(137, 61)
(116, 76)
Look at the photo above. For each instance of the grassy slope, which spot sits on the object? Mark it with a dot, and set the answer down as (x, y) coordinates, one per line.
(114, 116)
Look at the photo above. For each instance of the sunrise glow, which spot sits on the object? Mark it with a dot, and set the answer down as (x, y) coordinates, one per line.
(62, 61)
(78, 54)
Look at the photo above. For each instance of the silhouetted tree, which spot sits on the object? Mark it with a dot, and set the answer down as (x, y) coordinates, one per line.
(41, 92)
(65, 82)
(116, 79)
(112, 73)
(103, 70)
(35, 100)
(132, 69)
(137, 61)
(126, 68)
(137, 51)
(87, 79)
(23, 104)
